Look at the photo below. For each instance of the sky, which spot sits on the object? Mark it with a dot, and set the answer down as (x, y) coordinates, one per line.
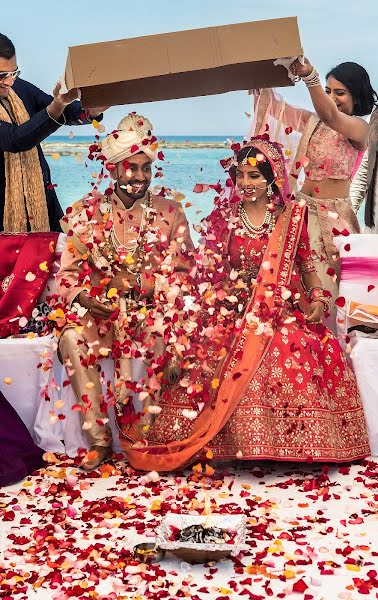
(332, 31)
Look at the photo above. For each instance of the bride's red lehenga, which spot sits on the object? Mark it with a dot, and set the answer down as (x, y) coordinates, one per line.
(258, 381)
(302, 403)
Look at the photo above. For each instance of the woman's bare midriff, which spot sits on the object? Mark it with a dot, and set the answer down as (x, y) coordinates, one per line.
(327, 188)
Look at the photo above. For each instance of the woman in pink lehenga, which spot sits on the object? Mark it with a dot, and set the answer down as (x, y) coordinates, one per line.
(260, 379)
(330, 149)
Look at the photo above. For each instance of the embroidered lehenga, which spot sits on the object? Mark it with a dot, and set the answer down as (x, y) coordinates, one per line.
(262, 384)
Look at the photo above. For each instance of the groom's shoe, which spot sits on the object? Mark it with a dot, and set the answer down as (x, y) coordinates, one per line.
(95, 457)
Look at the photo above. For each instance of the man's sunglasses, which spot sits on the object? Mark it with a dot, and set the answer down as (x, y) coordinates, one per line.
(5, 74)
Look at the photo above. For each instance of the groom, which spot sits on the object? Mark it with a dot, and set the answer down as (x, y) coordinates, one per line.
(120, 246)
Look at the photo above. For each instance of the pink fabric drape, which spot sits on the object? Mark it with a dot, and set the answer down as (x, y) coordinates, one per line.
(358, 267)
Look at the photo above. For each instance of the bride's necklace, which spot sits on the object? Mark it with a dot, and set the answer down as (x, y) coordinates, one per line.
(252, 230)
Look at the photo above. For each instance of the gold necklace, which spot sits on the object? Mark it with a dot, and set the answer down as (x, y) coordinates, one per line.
(252, 230)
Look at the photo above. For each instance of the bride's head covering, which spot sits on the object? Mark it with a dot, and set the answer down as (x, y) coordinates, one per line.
(133, 135)
(266, 151)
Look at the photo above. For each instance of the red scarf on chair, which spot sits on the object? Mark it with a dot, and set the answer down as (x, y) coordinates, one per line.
(26, 260)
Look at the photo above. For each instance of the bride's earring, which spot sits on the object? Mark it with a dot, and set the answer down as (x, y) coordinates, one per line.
(269, 191)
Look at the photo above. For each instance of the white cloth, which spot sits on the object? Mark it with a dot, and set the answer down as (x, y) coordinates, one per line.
(365, 360)
(364, 354)
(356, 290)
(30, 386)
(41, 400)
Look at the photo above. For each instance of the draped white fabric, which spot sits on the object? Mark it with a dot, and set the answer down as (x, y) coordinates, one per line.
(39, 397)
(364, 356)
(358, 289)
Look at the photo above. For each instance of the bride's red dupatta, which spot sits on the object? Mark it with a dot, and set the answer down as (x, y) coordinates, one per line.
(26, 260)
(234, 373)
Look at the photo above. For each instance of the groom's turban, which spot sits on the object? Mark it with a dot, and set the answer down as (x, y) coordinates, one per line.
(133, 135)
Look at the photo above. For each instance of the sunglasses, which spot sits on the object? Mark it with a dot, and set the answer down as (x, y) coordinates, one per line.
(5, 74)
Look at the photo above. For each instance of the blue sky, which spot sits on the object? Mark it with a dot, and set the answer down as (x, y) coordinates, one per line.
(331, 31)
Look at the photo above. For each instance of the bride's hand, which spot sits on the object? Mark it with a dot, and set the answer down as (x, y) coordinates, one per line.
(315, 313)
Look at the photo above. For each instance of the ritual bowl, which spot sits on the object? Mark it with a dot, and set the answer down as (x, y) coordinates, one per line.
(199, 552)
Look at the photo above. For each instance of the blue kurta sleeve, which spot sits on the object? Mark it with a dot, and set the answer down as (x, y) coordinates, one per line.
(18, 138)
(74, 113)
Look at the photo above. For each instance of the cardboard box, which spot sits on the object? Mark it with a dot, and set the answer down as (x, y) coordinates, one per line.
(197, 62)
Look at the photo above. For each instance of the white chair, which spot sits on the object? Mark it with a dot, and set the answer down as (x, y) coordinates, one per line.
(359, 283)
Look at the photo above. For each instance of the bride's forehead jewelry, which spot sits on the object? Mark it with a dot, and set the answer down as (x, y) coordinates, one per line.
(269, 151)
(258, 158)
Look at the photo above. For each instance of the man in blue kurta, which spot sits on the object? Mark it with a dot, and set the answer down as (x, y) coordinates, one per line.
(28, 201)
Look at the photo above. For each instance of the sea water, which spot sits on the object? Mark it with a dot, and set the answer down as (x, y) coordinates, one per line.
(182, 168)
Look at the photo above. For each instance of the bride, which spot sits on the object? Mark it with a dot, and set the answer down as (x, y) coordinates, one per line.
(261, 378)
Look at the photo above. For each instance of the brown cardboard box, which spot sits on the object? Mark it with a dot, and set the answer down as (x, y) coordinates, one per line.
(197, 62)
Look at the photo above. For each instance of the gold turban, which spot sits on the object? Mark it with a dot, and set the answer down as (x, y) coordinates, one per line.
(132, 135)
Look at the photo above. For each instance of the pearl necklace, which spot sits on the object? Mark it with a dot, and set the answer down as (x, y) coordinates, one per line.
(252, 230)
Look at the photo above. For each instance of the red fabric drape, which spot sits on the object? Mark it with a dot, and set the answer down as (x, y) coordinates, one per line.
(22, 254)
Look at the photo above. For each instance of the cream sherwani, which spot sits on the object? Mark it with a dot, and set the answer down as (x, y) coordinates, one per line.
(78, 272)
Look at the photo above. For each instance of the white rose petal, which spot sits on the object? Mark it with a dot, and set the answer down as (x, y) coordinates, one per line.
(154, 410)
(285, 294)
(81, 311)
(289, 320)
(189, 414)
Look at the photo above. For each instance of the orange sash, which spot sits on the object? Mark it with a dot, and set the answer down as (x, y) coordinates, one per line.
(234, 374)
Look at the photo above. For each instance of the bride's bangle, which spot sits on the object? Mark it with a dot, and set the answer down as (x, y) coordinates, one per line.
(315, 288)
(324, 301)
(313, 79)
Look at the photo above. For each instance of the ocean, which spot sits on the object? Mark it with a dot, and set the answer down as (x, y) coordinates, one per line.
(184, 166)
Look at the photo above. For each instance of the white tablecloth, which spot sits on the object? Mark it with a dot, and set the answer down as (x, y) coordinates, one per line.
(32, 390)
(38, 395)
(358, 246)
(365, 362)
